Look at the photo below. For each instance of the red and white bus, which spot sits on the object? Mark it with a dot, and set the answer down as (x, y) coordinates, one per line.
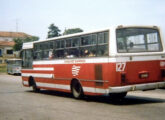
(105, 62)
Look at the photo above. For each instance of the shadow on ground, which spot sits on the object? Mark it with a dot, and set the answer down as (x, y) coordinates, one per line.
(128, 100)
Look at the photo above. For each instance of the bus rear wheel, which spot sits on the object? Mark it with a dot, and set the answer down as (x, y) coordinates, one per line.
(34, 85)
(77, 90)
(35, 88)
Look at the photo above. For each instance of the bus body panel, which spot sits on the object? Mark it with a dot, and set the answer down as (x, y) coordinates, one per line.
(59, 76)
(114, 73)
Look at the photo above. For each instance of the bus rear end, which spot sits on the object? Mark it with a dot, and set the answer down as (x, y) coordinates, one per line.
(139, 58)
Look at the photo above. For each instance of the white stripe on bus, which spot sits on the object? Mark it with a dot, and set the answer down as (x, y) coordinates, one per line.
(67, 87)
(43, 68)
(38, 75)
(99, 60)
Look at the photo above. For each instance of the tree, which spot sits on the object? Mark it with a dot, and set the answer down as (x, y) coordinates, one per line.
(72, 30)
(54, 31)
(20, 41)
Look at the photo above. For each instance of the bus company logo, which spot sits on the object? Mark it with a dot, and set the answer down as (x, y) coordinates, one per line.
(75, 70)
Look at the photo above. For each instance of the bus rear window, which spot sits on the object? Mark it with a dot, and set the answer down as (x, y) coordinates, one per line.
(133, 40)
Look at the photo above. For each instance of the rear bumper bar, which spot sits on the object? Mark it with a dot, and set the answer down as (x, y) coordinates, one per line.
(146, 86)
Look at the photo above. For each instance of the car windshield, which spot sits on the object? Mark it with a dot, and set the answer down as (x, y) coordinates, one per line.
(138, 40)
(18, 62)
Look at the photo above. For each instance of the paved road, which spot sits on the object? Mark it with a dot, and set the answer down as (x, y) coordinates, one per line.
(20, 103)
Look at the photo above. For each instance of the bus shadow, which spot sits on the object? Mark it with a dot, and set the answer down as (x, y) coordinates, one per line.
(128, 100)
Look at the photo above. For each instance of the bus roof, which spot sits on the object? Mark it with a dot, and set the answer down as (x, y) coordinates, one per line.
(14, 59)
(94, 31)
(29, 45)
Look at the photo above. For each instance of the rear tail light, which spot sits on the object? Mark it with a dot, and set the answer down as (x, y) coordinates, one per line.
(123, 77)
(163, 73)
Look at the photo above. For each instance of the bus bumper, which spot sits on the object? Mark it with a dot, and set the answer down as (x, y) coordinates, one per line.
(143, 87)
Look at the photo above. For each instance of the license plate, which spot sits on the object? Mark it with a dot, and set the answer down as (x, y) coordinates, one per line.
(144, 75)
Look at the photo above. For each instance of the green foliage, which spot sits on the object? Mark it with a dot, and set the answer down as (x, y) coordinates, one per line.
(72, 30)
(20, 41)
(54, 31)
(3, 68)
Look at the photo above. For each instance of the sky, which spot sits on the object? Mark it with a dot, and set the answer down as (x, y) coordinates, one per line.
(35, 16)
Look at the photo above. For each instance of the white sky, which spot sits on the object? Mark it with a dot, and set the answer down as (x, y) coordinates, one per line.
(34, 16)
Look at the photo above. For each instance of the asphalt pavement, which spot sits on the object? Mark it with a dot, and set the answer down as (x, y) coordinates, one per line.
(20, 103)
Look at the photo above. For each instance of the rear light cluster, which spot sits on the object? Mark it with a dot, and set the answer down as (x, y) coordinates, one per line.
(123, 77)
(162, 73)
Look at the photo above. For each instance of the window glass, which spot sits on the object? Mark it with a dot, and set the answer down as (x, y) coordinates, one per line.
(94, 39)
(103, 37)
(90, 45)
(75, 42)
(68, 42)
(106, 37)
(102, 50)
(152, 38)
(41, 46)
(57, 43)
(153, 47)
(86, 40)
(138, 40)
(45, 54)
(27, 58)
(18, 62)
(100, 38)
(38, 55)
(72, 53)
(59, 53)
(9, 52)
(35, 47)
(45, 46)
(62, 43)
(88, 51)
(51, 45)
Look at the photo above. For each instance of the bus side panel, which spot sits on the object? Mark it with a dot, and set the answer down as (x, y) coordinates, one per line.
(110, 74)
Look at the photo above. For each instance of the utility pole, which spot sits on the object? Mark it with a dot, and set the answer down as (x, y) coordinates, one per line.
(16, 25)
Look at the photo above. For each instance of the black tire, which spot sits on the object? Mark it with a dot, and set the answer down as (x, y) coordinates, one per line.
(117, 95)
(77, 90)
(34, 87)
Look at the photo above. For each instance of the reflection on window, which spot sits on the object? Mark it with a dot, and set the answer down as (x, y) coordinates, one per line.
(138, 40)
(75, 42)
(88, 51)
(86, 40)
(91, 45)
(59, 53)
(68, 42)
(71, 53)
(102, 50)
(27, 58)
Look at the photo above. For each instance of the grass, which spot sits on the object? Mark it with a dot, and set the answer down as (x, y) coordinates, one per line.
(3, 68)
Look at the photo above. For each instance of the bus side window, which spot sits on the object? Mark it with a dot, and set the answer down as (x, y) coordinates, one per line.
(76, 42)
(102, 48)
(88, 46)
(88, 51)
(68, 42)
(100, 38)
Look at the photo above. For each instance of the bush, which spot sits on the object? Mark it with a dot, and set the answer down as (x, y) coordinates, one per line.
(3, 68)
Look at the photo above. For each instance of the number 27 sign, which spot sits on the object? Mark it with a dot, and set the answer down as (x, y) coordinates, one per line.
(120, 67)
